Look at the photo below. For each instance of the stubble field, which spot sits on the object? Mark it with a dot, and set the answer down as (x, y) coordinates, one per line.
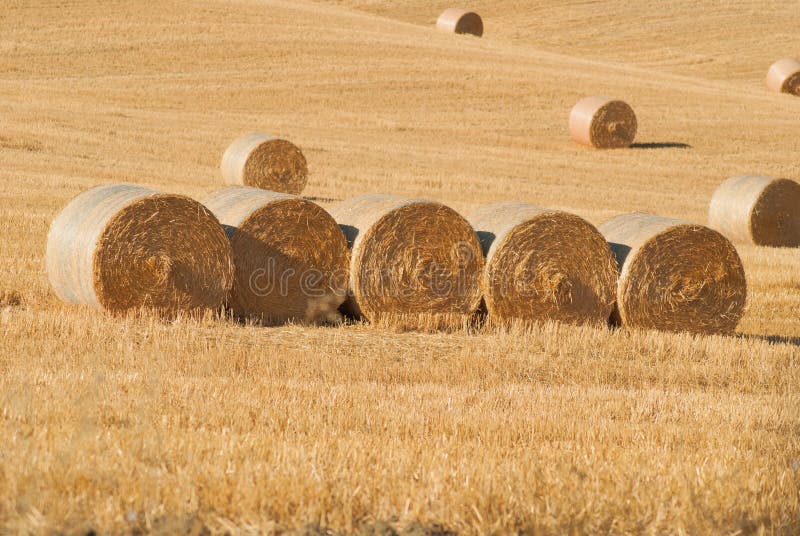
(126, 424)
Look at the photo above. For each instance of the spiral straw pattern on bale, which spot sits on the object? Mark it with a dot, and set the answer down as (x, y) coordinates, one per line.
(675, 275)
(123, 247)
(460, 21)
(265, 162)
(756, 209)
(544, 264)
(409, 257)
(290, 255)
(784, 76)
(602, 123)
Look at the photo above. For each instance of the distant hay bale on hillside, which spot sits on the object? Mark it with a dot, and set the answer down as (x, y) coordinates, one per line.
(602, 123)
(784, 76)
(675, 276)
(756, 209)
(409, 257)
(123, 247)
(460, 21)
(265, 162)
(544, 264)
(290, 255)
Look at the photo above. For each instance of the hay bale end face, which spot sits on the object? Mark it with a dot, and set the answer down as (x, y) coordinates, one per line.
(784, 76)
(675, 275)
(758, 210)
(124, 247)
(460, 21)
(265, 162)
(602, 123)
(409, 257)
(290, 255)
(544, 265)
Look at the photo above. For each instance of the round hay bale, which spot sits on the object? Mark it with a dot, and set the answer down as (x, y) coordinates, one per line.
(784, 76)
(409, 257)
(544, 264)
(265, 162)
(675, 275)
(759, 210)
(123, 247)
(460, 21)
(291, 257)
(602, 123)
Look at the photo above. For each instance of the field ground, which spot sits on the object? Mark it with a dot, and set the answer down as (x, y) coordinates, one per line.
(132, 424)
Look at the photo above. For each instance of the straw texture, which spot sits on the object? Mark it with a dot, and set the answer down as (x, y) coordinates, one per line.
(675, 275)
(544, 264)
(265, 162)
(602, 123)
(460, 21)
(756, 209)
(784, 76)
(291, 257)
(409, 257)
(122, 247)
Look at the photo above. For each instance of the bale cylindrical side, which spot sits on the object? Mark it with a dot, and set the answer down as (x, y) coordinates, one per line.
(756, 209)
(290, 255)
(265, 162)
(460, 21)
(544, 264)
(784, 76)
(602, 123)
(123, 247)
(409, 257)
(675, 275)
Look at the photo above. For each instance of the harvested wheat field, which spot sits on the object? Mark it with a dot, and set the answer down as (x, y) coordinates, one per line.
(132, 423)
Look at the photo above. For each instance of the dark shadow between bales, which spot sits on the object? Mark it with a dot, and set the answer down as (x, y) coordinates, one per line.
(773, 339)
(661, 145)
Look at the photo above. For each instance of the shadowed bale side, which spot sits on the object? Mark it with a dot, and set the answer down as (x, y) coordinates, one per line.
(460, 21)
(784, 76)
(757, 209)
(291, 257)
(122, 247)
(675, 275)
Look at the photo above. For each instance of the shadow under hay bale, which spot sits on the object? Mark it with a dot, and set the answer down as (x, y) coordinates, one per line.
(661, 145)
(409, 257)
(756, 209)
(291, 257)
(125, 247)
(265, 162)
(784, 76)
(675, 275)
(602, 123)
(544, 264)
(460, 21)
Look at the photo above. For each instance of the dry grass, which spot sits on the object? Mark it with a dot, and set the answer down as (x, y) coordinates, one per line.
(122, 424)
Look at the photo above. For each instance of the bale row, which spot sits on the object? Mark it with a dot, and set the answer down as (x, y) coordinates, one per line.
(281, 257)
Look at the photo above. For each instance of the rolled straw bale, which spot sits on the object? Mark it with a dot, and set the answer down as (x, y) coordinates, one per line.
(758, 210)
(122, 247)
(602, 123)
(544, 264)
(409, 257)
(265, 162)
(291, 257)
(675, 275)
(784, 76)
(460, 21)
